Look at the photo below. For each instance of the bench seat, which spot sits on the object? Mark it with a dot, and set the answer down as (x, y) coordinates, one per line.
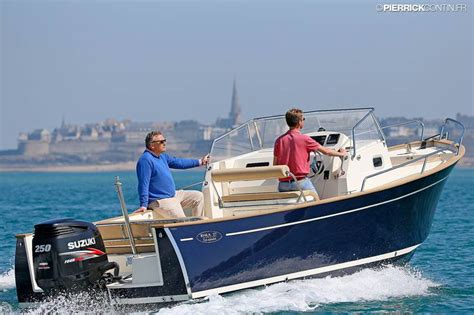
(268, 196)
(115, 236)
(123, 247)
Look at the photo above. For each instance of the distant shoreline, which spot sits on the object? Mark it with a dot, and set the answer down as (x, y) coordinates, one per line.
(466, 162)
(124, 166)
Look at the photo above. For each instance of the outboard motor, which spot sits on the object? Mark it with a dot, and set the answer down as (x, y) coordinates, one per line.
(68, 254)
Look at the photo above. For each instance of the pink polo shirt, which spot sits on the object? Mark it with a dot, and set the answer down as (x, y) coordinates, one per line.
(292, 149)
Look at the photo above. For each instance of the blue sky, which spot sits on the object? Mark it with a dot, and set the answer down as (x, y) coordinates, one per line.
(174, 60)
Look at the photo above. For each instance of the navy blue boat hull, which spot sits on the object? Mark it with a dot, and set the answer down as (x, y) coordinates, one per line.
(341, 236)
(333, 238)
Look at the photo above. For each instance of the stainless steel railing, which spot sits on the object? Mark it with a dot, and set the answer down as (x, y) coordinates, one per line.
(118, 187)
(369, 113)
(425, 157)
(462, 132)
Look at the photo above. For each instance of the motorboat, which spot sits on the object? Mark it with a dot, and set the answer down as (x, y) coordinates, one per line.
(375, 206)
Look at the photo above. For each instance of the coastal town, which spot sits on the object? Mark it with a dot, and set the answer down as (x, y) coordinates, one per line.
(116, 144)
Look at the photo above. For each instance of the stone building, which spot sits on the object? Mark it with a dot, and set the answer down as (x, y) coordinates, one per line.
(89, 133)
(35, 143)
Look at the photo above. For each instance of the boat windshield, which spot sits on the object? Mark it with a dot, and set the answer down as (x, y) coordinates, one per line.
(360, 125)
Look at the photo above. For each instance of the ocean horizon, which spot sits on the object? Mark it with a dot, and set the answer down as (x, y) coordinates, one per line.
(438, 279)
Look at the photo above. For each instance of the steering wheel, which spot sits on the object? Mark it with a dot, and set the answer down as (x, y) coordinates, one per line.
(317, 165)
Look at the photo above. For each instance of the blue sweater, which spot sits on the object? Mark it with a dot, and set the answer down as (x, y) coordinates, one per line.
(154, 176)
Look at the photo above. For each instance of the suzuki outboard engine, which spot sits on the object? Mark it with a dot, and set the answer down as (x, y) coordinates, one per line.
(68, 254)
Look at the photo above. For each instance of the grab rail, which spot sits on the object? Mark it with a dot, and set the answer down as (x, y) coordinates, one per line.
(425, 157)
(353, 131)
(151, 222)
(192, 185)
(462, 133)
(407, 123)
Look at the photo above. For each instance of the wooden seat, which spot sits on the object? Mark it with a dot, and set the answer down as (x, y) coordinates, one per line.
(268, 196)
(115, 235)
(124, 247)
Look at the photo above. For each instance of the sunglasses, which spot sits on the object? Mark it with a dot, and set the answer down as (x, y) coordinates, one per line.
(159, 141)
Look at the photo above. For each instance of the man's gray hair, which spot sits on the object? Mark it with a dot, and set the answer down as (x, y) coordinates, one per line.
(149, 137)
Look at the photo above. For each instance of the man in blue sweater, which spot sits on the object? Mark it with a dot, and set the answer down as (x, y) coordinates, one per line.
(156, 187)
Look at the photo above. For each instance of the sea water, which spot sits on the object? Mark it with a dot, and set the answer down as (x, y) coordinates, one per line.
(439, 278)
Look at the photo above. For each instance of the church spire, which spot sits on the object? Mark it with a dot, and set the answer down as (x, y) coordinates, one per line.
(235, 111)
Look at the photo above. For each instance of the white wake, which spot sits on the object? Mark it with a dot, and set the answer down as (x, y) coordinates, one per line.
(307, 295)
(7, 280)
(298, 295)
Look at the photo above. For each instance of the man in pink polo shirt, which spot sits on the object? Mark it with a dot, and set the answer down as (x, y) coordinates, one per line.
(293, 149)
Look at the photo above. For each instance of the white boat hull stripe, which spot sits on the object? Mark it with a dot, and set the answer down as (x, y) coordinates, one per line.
(154, 299)
(180, 259)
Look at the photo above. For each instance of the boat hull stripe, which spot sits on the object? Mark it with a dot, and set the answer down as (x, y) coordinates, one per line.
(157, 299)
(180, 259)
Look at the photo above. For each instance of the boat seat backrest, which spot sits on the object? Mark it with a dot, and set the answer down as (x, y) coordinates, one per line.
(115, 237)
(250, 173)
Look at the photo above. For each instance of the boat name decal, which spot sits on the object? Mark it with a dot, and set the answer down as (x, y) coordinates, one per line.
(209, 236)
(81, 243)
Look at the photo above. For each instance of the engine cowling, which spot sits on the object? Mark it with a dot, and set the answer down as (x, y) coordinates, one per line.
(68, 254)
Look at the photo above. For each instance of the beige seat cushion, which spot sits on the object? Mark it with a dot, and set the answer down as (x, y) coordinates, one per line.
(249, 173)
